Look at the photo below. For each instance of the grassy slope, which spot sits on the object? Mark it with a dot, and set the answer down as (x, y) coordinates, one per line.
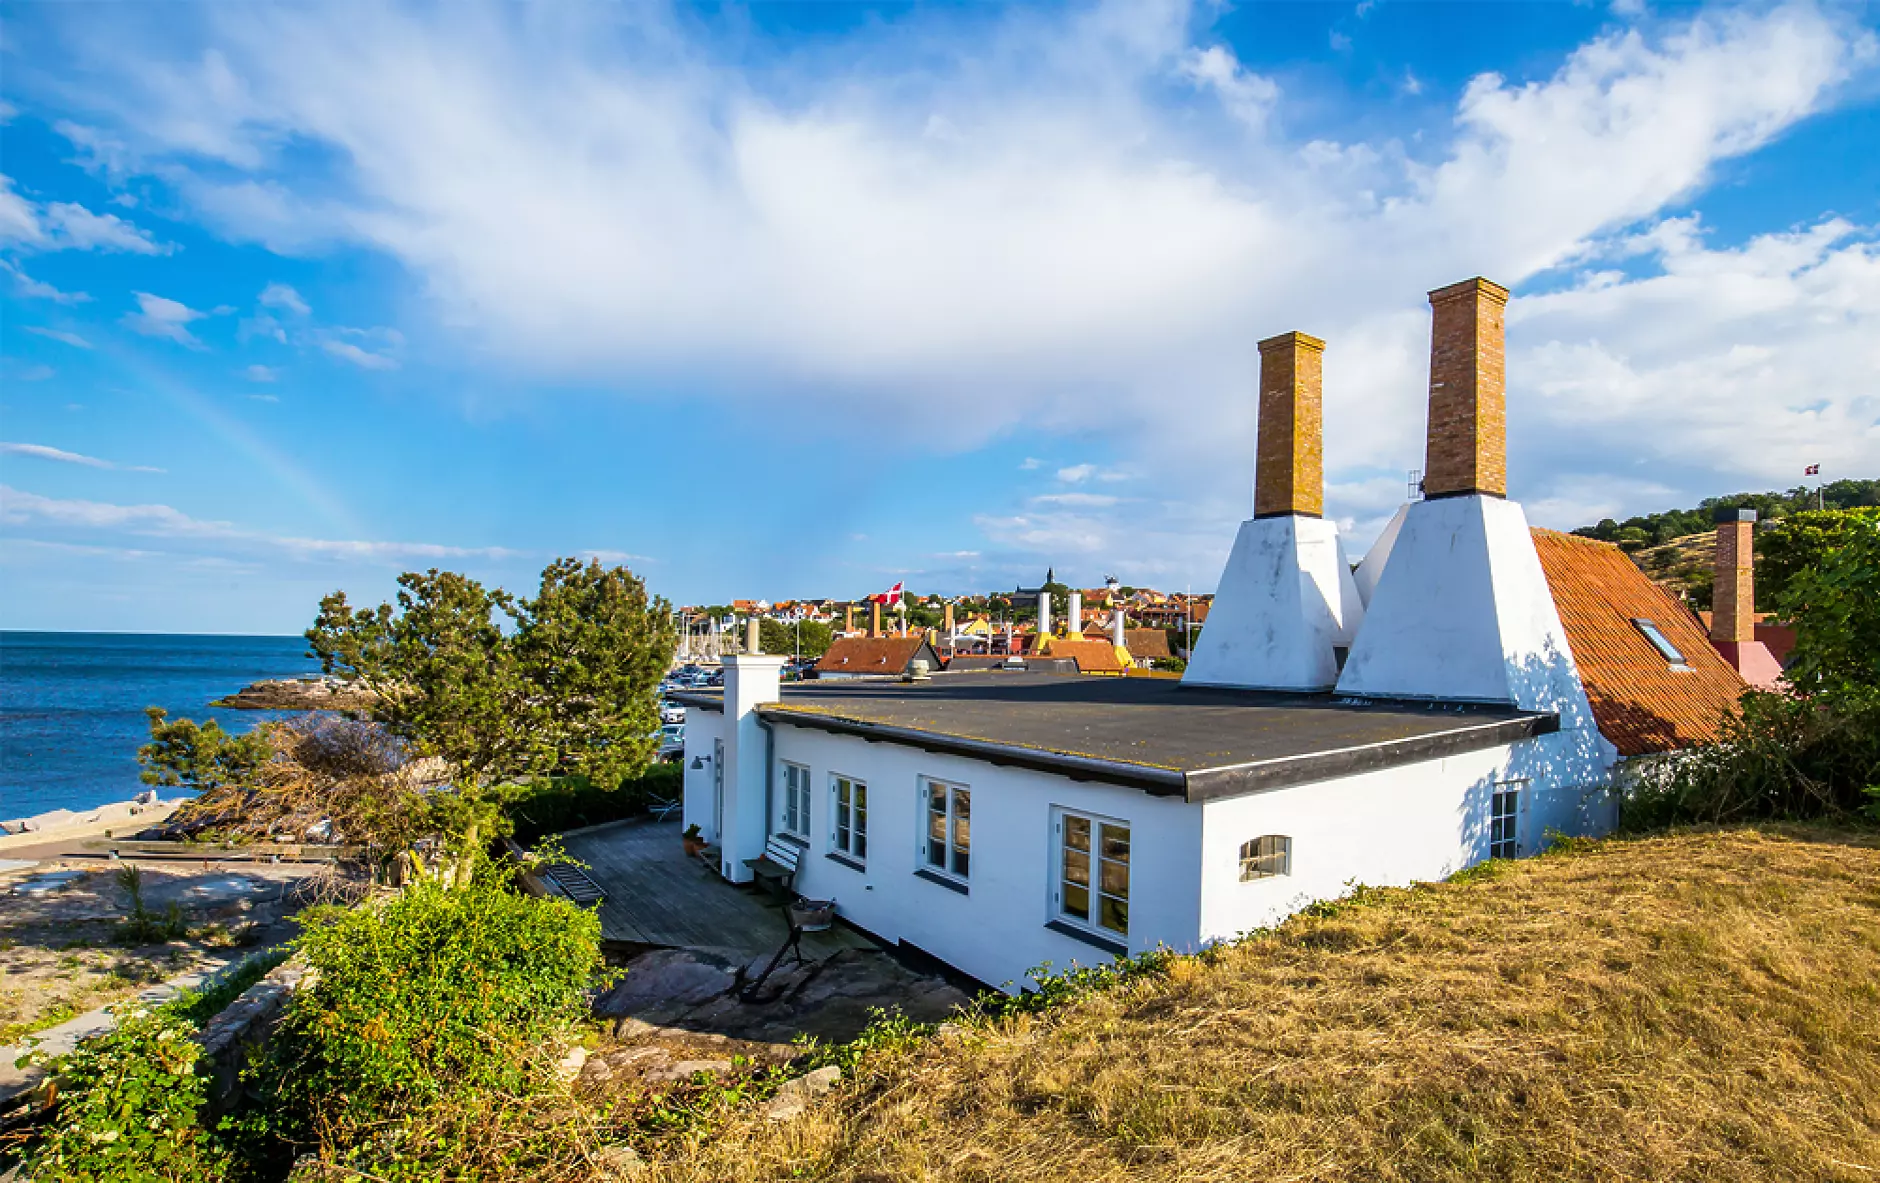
(1700, 1006)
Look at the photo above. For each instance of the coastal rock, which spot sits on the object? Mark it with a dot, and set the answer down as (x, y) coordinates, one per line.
(299, 694)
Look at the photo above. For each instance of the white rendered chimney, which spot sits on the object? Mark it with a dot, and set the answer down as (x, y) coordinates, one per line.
(1461, 610)
(751, 681)
(1286, 603)
(1044, 614)
(1117, 624)
(1074, 618)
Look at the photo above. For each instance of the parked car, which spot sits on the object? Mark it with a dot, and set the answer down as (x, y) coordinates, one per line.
(671, 712)
(672, 743)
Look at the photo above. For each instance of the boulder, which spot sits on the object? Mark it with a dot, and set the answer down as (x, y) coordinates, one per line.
(795, 1095)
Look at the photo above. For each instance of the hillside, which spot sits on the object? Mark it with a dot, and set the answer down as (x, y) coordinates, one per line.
(1691, 1007)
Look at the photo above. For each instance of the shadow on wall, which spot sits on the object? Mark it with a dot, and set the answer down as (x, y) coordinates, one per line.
(1565, 780)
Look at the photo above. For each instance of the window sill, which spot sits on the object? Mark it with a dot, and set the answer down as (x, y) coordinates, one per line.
(845, 860)
(1109, 945)
(793, 838)
(945, 881)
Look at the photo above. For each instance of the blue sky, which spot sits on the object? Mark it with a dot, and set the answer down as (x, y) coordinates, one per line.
(781, 300)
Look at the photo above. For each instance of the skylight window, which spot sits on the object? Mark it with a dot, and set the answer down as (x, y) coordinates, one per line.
(1660, 642)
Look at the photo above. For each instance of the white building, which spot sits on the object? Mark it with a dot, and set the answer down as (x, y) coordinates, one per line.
(999, 821)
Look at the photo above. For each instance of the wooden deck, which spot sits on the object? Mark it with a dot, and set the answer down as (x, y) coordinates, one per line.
(655, 895)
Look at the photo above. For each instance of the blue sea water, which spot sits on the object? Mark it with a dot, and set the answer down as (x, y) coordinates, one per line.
(72, 705)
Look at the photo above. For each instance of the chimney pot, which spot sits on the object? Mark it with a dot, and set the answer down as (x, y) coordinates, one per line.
(1289, 462)
(1467, 449)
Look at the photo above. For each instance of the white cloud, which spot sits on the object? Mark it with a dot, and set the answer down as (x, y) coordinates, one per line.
(1076, 473)
(1248, 97)
(77, 228)
(72, 339)
(260, 373)
(364, 359)
(1031, 464)
(1023, 233)
(42, 452)
(265, 398)
(20, 508)
(31, 288)
(616, 558)
(33, 373)
(1085, 500)
(157, 316)
(65, 225)
(279, 295)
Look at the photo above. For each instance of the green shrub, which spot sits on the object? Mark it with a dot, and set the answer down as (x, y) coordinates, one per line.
(1784, 757)
(127, 1107)
(567, 803)
(441, 994)
(142, 926)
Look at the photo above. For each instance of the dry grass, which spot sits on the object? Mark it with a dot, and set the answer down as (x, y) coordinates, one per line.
(1700, 1006)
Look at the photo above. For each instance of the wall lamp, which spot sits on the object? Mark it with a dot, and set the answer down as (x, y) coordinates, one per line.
(699, 762)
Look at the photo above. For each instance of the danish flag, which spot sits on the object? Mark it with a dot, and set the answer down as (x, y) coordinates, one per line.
(890, 596)
(1812, 470)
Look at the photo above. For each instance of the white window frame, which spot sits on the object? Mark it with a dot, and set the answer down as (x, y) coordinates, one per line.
(1504, 827)
(1061, 829)
(793, 810)
(848, 839)
(956, 857)
(1267, 857)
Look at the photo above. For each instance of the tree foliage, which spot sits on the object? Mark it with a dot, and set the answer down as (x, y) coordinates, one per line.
(198, 757)
(809, 637)
(502, 687)
(1812, 750)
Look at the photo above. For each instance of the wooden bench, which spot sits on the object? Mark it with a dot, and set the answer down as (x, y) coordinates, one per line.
(778, 862)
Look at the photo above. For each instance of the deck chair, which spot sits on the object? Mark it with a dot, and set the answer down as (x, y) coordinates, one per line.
(661, 810)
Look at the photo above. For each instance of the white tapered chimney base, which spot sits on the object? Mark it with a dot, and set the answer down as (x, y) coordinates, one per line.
(1285, 604)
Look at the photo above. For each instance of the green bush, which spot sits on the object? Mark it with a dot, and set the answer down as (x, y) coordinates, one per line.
(1783, 757)
(568, 803)
(442, 994)
(127, 1107)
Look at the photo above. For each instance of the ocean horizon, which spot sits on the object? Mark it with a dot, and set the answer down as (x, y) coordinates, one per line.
(72, 705)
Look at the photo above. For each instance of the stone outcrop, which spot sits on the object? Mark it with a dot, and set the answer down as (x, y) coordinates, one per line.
(299, 694)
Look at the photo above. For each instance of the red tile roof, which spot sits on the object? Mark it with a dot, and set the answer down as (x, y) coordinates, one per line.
(875, 655)
(1146, 642)
(1092, 657)
(1641, 704)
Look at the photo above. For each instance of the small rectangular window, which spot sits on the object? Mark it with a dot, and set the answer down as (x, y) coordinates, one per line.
(1265, 857)
(1673, 657)
(948, 836)
(795, 804)
(1093, 872)
(849, 831)
(1504, 838)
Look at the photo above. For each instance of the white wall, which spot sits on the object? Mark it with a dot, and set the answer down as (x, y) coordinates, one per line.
(701, 729)
(996, 932)
(1416, 822)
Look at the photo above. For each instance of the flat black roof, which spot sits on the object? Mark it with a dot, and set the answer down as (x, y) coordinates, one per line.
(1149, 733)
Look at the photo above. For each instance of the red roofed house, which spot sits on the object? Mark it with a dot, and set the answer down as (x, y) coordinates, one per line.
(876, 657)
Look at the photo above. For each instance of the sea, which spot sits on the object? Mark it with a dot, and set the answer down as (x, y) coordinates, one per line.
(72, 705)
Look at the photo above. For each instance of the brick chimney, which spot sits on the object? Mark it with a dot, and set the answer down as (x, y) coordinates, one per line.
(1733, 600)
(1467, 450)
(848, 618)
(946, 621)
(1288, 475)
(1285, 605)
(874, 619)
(1733, 594)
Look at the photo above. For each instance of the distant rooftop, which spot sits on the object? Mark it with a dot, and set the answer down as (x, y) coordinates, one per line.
(1148, 733)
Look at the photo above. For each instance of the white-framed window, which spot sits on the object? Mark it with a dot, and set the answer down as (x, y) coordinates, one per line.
(1265, 856)
(1093, 872)
(947, 837)
(848, 829)
(794, 809)
(1504, 821)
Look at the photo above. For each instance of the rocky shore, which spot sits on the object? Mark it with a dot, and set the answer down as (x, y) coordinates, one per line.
(299, 694)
